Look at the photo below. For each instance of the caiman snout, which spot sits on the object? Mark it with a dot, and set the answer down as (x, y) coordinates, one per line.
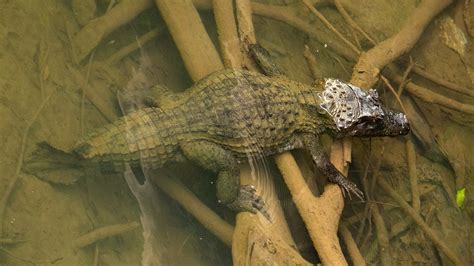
(404, 125)
(395, 123)
(391, 123)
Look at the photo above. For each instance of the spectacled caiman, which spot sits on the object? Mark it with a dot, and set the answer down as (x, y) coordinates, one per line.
(227, 117)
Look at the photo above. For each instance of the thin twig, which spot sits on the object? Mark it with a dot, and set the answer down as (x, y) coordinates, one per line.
(104, 232)
(351, 22)
(411, 161)
(330, 26)
(395, 94)
(429, 232)
(43, 70)
(382, 237)
(310, 60)
(356, 39)
(8, 253)
(428, 95)
(36, 262)
(151, 35)
(19, 164)
(405, 77)
(96, 254)
(84, 89)
(10, 241)
(443, 82)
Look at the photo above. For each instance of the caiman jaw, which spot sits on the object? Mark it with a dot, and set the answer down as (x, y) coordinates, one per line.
(392, 123)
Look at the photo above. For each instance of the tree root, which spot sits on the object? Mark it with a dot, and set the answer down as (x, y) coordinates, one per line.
(19, 165)
(208, 218)
(199, 55)
(16, 257)
(232, 56)
(95, 262)
(100, 102)
(10, 241)
(94, 32)
(411, 160)
(369, 64)
(245, 220)
(351, 22)
(354, 251)
(104, 232)
(382, 237)
(430, 233)
(429, 96)
(321, 215)
(395, 94)
(125, 51)
(256, 240)
(91, 34)
(84, 92)
(330, 26)
(447, 84)
(351, 245)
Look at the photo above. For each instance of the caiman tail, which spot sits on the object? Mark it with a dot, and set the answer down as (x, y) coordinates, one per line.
(54, 165)
(144, 138)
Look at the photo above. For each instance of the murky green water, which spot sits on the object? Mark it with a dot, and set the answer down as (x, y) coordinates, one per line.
(55, 88)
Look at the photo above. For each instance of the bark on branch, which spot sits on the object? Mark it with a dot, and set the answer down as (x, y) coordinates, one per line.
(371, 62)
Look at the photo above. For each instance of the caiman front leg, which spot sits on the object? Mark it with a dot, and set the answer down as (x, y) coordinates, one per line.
(328, 169)
(264, 60)
(219, 160)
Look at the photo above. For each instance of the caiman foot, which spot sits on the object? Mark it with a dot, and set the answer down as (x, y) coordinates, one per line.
(249, 201)
(347, 187)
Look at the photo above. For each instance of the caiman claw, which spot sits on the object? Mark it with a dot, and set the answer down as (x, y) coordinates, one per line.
(249, 201)
(348, 187)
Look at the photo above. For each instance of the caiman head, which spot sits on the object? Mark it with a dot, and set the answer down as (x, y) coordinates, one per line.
(359, 113)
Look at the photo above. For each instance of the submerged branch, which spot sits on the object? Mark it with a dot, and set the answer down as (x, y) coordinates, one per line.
(199, 55)
(443, 82)
(430, 96)
(330, 26)
(411, 160)
(321, 215)
(430, 233)
(351, 245)
(208, 218)
(371, 62)
(19, 164)
(382, 237)
(227, 33)
(104, 232)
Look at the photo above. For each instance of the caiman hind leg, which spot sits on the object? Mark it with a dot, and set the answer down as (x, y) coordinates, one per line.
(229, 192)
(325, 166)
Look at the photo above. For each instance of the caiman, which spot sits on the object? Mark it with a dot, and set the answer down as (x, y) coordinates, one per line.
(226, 118)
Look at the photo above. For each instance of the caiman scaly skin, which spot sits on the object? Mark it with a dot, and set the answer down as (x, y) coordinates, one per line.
(230, 116)
(223, 119)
